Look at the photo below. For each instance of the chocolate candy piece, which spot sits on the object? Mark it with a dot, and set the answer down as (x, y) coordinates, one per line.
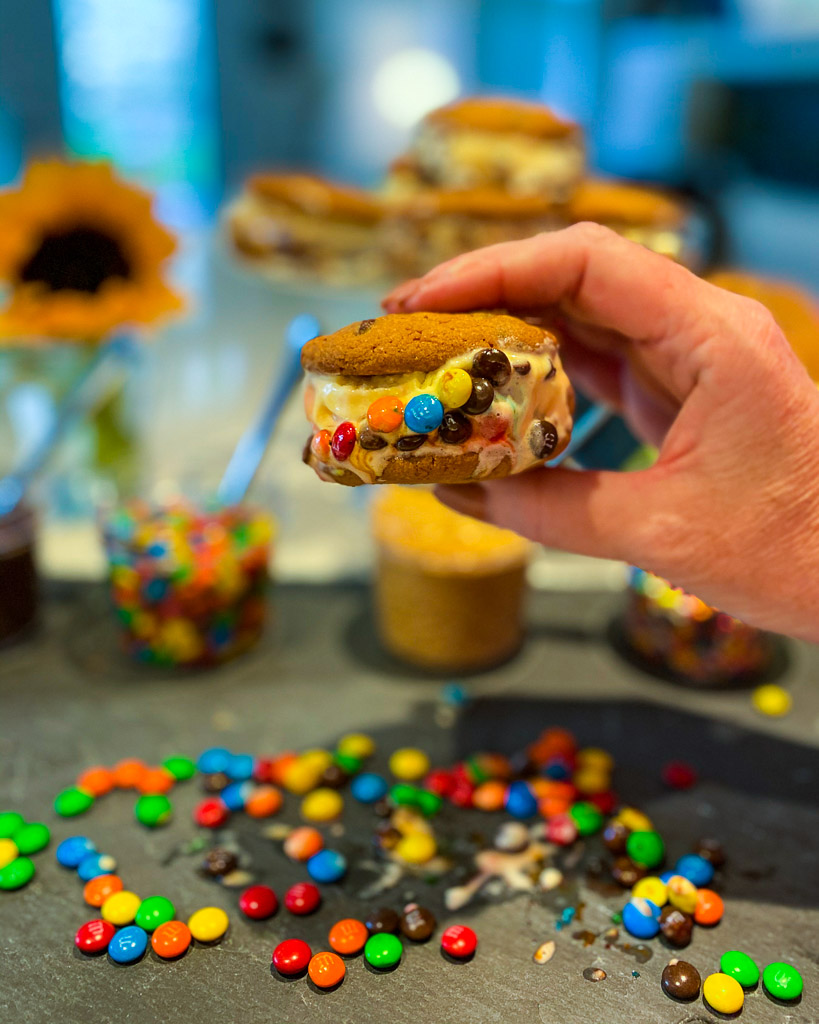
(676, 926)
(334, 777)
(371, 441)
(455, 428)
(625, 872)
(215, 782)
(522, 368)
(382, 920)
(483, 394)
(364, 326)
(383, 808)
(710, 850)
(386, 836)
(615, 835)
(410, 442)
(493, 365)
(551, 373)
(219, 861)
(681, 980)
(542, 438)
(417, 923)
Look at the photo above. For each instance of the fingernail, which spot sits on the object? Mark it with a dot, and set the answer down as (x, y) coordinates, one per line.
(396, 298)
(469, 499)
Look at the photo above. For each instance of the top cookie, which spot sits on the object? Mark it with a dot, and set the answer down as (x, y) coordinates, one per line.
(499, 114)
(605, 202)
(405, 342)
(313, 195)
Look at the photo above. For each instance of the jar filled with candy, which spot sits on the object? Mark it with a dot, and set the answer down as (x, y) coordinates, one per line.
(188, 584)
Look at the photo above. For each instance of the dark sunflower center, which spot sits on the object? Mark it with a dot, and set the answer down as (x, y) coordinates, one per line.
(80, 259)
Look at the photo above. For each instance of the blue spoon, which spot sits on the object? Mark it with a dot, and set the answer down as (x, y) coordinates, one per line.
(252, 445)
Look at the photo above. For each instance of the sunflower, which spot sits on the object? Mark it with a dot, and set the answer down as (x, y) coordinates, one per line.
(80, 254)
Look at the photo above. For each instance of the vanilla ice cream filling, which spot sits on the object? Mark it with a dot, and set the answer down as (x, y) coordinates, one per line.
(503, 431)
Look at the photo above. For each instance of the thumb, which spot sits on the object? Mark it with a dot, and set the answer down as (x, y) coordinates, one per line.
(603, 514)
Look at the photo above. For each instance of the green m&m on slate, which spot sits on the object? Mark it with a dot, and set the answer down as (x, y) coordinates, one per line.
(10, 822)
(587, 818)
(782, 981)
(740, 966)
(180, 767)
(16, 874)
(73, 801)
(154, 911)
(646, 848)
(383, 951)
(32, 838)
(428, 803)
(153, 809)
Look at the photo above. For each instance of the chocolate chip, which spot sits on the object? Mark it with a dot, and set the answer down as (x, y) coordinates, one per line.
(543, 438)
(455, 427)
(522, 368)
(493, 365)
(483, 394)
(364, 326)
(410, 442)
(371, 441)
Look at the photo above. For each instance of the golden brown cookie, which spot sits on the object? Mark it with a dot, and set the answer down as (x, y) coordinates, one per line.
(605, 201)
(316, 196)
(501, 114)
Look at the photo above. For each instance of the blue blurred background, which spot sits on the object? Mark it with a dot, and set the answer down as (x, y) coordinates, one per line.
(717, 97)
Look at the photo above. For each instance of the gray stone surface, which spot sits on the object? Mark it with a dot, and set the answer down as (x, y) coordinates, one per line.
(69, 701)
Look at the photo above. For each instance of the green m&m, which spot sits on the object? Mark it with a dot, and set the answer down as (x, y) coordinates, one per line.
(646, 848)
(154, 911)
(587, 818)
(428, 803)
(73, 801)
(180, 767)
(153, 809)
(740, 966)
(16, 874)
(10, 822)
(32, 838)
(347, 763)
(782, 981)
(383, 951)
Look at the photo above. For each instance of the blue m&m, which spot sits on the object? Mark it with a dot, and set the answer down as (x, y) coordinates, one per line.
(213, 760)
(520, 801)
(641, 918)
(368, 787)
(240, 767)
(234, 796)
(327, 866)
(72, 851)
(128, 945)
(423, 414)
(96, 864)
(696, 869)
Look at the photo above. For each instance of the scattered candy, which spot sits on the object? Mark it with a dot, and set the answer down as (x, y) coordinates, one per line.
(291, 957)
(383, 951)
(211, 813)
(214, 759)
(302, 898)
(772, 700)
(723, 994)
(459, 941)
(646, 849)
(96, 864)
(368, 787)
(740, 966)
(121, 908)
(385, 414)
(263, 802)
(326, 970)
(128, 772)
(641, 918)
(208, 924)
(586, 817)
(258, 902)
(348, 937)
(234, 796)
(322, 804)
(409, 764)
(681, 980)
(343, 441)
(676, 927)
(696, 869)
(128, 945)
(171, 939)
(73, 801)
(682, 894)
(679, 775)
(180, 767)
(17, 873)
(782, 981)
(8, 852)
(154, 911)
(382, 920)
(97, 891)
(417, 848)
(594, 974)
(327, 866)
(153, 810)
(356, 744)
(521, 802)
(93, 937)
(653, 889)
(31, 838)
(417, 923)
(544, 952)
(423, 414)
(219, 862)
(303, 843)
(10, 822)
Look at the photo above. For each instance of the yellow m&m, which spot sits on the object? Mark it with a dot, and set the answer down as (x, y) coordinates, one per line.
(208, 924)
(409, 764)
(121, 908)
(417, 848)
(453, 387)
(723, 993)
(356, 744)
(322, 804)
(651, 888)
(8, 852)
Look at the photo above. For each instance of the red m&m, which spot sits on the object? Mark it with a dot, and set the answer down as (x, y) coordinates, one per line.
(211, 813)
(459, 941)
(343, 441)
(302, 898)
(291, 957)
(94, 936)
(258, 902)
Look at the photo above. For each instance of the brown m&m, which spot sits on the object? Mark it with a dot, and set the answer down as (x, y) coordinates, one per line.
(218, 862)
(626, 873)
(417, 923)
(382, 920)
(676, 926)
(681, 980)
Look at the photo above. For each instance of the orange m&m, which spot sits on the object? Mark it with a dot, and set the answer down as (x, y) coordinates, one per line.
(171, 939)
(386, 414)
(263, 801)
(155, 780)
(709, 907)
(128, 773)
(490, 795)
(96, 891)
(303, 842)
(348, 936)
(321, 445)
(326, 970)
(97, 780)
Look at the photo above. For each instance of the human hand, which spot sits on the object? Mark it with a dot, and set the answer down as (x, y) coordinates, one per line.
(730, 510)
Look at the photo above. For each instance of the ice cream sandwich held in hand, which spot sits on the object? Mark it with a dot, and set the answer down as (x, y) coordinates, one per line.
(435, 398)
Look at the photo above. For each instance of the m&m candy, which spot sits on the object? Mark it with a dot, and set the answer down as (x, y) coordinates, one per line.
(153, 810)
(303, 843)
(696, 869)
(240, 767)
(327, 866)
(32, 837)
(641, 918)
(723, 994)
(73, 850)
(343, 441)
(739, 965)
(459, 941)
(453, 387)
(10, 822)
(682, 894)
(155, 780)
(782, 981)
(356, 744)
(520, 801)
(258, 902)
(302, 898)
(96, 864)
(211, 813)
(416, 848)
(17, 873)
(291, 957)
(383, 951)
(97, 890)
(417, 923)
(423, 414)
(171, 939)
(128, 945)
(646, 848)
(234, 796)
(322, 804)
(214, 759)
(653, 889)
(348, 936)
(180, 767)
(385, 414)
(587, 817)
(321, 444)
(154, 911)
(368, 787)
(73, 801)
(121, 908)
(384, 919)
(263, 802)
(326, 970)
(128, 772)
(208, 924)
(8, 852)
(94, 936)
(409, 764)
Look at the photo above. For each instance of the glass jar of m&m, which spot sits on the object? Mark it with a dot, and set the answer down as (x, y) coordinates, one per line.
(188, 584)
